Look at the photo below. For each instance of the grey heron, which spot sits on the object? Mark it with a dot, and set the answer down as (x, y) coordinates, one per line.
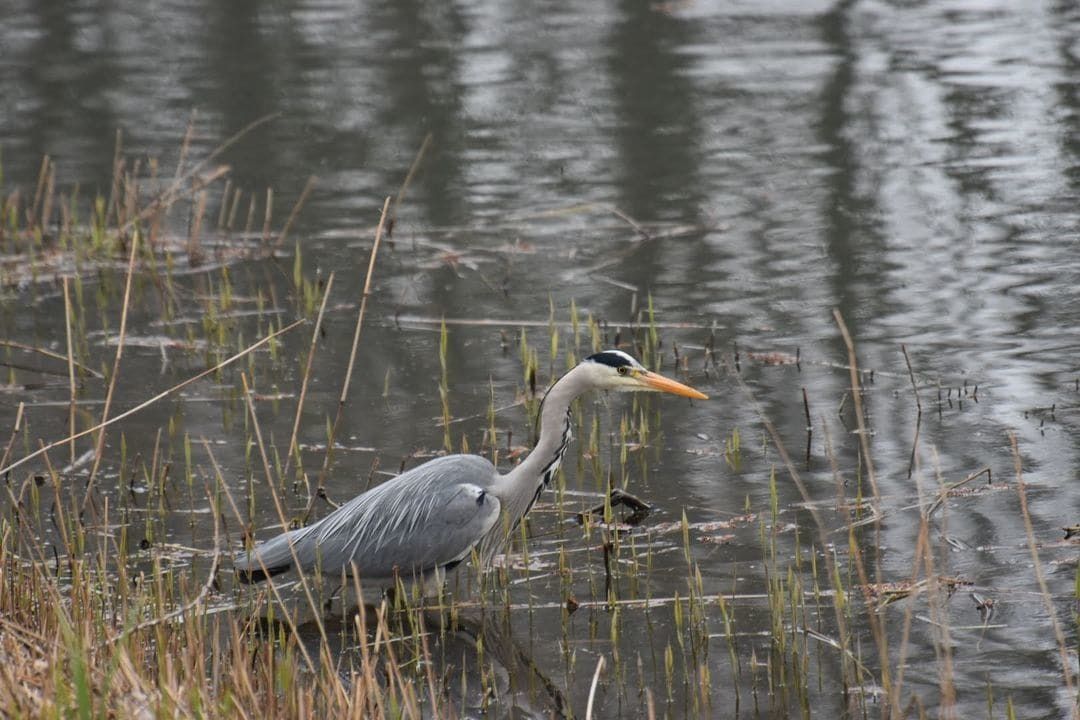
(421, 525)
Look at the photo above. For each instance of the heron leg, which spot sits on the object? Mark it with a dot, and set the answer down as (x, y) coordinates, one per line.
(328, 604)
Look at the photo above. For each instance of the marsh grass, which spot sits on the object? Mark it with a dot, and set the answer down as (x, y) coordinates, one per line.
(107, 613)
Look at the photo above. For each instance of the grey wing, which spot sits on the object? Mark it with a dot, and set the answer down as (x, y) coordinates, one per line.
(272, 557)
(429, 517)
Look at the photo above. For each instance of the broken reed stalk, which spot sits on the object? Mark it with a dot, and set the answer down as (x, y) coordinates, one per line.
(585, 207)
(268, 214)
(944, 492)
(856, 396)
(112, 204)
(518, 323)
(71, 366)
(911, 374)
(939, 620)
(100, 446)
(147, 403)
(809, 426)
(877, 623)
(50, 354)
(352, 362)
(308, 187)
(628, 220)
(901, 665)
(185, 145)
(408, 180)
(32, 215)
(1066, 661)
(924, 559)
(304, 384)
(918, 406)
(14, 434)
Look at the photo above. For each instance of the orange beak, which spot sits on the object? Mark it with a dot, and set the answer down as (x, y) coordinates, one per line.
(663, 384)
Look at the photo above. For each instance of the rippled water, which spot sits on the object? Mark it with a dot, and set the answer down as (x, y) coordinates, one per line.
(913, 165)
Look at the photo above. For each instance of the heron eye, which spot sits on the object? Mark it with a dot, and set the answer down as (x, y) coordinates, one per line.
(623, 370)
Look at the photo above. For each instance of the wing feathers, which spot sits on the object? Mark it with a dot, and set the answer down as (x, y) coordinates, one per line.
(429, 517)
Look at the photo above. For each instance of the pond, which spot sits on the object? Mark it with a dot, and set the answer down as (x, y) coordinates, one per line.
(723, 188)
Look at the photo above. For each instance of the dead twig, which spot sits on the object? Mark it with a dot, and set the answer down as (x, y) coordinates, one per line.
(115, 374)
(50, 353)
(352, 361)
(407, 182)
(304, 382)
(308, 187)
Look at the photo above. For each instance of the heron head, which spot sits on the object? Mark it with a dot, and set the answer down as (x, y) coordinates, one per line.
(615, 370)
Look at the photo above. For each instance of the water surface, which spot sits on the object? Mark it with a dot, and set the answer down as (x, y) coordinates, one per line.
(912, 165)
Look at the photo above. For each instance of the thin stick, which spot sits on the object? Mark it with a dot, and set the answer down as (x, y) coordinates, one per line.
(921, 551)
(268, 213)
(14, 434)
(592, 688)
(99, 448)
(151, 401)
(580, 207)
(943, 644)
(112, 206)
(50, 353)
(304, 383)
(944, 492)
(525, 322)
(71, 365)
(352, 359)
(911, 374)
(32, 213)
(809, 426)
(409, 178)
(185, 145)
(856, 397)
(308, 187)
(918, 416)
(1066, 661)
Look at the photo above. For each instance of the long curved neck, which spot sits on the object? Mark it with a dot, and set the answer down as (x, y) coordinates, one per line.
(521, 486)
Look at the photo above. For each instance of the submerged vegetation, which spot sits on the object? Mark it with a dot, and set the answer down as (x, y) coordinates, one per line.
(115, 592)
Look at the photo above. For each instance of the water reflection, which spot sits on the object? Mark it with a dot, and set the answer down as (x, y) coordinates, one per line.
(913, 164)
(66, 76)
(247, 76)
(419, 91)
(656, 121)
(479, 669)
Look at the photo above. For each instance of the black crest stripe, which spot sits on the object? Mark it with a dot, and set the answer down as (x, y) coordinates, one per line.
(610, 358)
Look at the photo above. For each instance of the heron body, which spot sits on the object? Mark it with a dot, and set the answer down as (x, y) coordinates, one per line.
(421, 525)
